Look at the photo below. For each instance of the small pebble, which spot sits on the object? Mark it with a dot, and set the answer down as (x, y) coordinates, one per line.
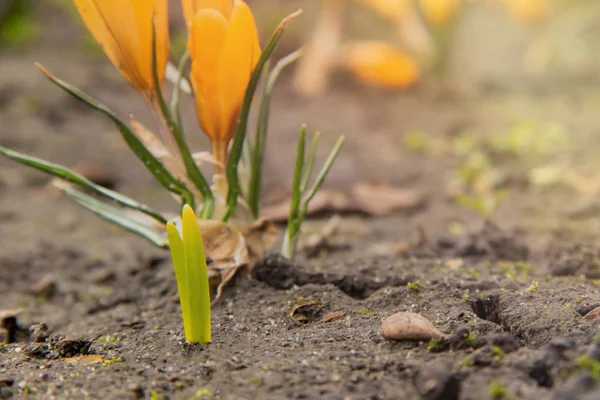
(39, 332)
(45, 287)
(408, 326)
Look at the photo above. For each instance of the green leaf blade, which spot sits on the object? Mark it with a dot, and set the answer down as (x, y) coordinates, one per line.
(115, 215)
(321, 176)
(68, 175)
(178, 257)
(197, 279)
(152, 164)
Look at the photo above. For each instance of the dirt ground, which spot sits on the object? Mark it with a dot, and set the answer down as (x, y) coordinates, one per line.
(100, 317)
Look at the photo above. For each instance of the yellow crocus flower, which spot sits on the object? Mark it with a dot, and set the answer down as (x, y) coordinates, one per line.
(124, 30)
(380, 64)
(224, 48)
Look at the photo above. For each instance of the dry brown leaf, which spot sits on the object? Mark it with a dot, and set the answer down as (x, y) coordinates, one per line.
(223, 244)
(204, 157)
(305, 310)
(226, 247)
(260, 236)
(214, 280)
(372, 199)
(379, 199)
(87, 359)
(229, 249)
(332, 315)
(226, 277)
(324, 200)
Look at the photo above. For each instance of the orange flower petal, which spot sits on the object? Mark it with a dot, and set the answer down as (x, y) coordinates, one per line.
(124, 30)
(191, 7)
(380, 64)
(207, 35)
(239, 56)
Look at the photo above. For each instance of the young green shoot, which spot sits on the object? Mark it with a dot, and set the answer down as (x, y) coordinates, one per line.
(189, 261)
(300, 196)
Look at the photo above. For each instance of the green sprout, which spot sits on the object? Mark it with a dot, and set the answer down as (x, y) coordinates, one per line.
(498, 353)
(109, 339)
(415, 286)
(534, 287)
(187, 252)
(471, 340)
(436, 345)
(112, 361)
(300, 196)
(467, 362)
(587, 364)
(497, 391)
(205, 393)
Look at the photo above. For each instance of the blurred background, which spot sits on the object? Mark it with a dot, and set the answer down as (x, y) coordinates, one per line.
(454, 112)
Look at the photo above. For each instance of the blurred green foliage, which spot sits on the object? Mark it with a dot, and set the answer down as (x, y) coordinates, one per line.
(17, 28)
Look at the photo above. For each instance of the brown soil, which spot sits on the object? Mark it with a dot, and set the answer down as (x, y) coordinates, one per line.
(88, 290)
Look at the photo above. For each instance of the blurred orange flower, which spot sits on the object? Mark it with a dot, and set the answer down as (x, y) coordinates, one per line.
(124, 30)
(224, 48)
(439, 12)
(380, 64)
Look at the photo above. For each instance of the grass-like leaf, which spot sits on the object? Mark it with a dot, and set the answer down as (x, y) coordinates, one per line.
(310, 162)
(68, 175)
(300, 200)
(298, 173)
(176, 96)
(321, 176)
(162, 175)
(235, 153)
(260, 142)
(114, 215)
